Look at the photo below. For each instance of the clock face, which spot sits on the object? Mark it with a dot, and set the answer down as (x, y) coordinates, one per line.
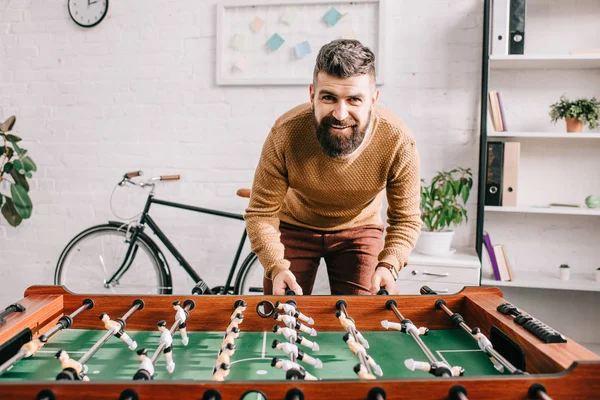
(87, 13)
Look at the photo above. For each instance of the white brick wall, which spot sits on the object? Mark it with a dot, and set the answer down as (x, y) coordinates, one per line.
(138, 92)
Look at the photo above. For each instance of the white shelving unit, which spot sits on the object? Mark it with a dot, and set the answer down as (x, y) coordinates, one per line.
(542, 135)
(545, 210)
(545, 280)
(545, 61)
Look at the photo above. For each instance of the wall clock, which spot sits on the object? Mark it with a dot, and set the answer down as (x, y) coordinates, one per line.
(87, 13)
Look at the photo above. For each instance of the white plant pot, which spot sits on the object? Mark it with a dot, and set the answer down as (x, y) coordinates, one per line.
(565, 274)
(435, 243)
(598, 275)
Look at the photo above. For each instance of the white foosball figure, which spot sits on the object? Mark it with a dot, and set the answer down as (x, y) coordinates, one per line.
(182, 316)
(289, 308)
(118, 329)
(235, 321)
(220, 372)
(358, 348)
(240, 307)
(292, 336)
(67, 362)
(293, 323)
(225, 354)
(146, 366)
(167, 340)
(408, 327)
(348, 324)
(362, 372)
(230, 336)
(287, 365)
(296, 353)
(437, 369)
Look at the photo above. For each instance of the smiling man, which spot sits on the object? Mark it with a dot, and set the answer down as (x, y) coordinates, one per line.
(319, 185)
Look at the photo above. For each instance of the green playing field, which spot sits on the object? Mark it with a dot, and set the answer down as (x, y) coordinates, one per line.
(252, 357)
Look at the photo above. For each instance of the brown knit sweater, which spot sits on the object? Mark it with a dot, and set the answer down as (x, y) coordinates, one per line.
(295, 182)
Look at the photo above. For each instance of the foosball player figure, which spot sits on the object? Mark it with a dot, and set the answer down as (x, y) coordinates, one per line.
(220, 372)
(230, 336)
(225, 353)
(362, 372)
(71, 369)
(181, 315)
(293, 323)
(146, 370)
(289, 307)
(358, 348)
(296, 353)
(439, 368)
(288, 365)
(292, 336)
(167, 339)
(240, 307)
(348, 325)
(235, 321)
(117, 325)
(404, 327)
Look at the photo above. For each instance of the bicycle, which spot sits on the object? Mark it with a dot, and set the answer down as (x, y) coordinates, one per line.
(126, 271)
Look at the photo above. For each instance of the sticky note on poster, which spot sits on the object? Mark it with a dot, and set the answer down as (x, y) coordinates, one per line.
(288, 17)
(257, 24)
(237, 41)
(302, 49)
(241, 64)
(332, 16)
(275, 42)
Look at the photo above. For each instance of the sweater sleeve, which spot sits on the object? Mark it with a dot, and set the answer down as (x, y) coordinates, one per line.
(262, 222)
(404, 206)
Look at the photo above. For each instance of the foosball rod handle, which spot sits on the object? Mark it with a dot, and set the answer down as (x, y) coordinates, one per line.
(538, 391)
(294, 394)
(457, 392)
(376, 393)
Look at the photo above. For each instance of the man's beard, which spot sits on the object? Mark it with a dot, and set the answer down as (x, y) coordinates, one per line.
(337, 145)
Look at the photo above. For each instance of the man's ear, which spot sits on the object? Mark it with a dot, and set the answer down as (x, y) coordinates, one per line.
(375, 97)
(311, 90)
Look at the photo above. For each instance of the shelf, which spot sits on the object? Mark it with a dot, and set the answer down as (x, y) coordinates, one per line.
(543, 135)
(545, 280)
(464, 258)
(545, 210)
(588, 61)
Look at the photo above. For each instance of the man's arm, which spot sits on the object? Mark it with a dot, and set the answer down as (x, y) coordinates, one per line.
(404, 206)
(268, 191)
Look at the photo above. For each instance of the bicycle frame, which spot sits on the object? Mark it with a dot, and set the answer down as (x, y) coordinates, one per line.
(145, 219)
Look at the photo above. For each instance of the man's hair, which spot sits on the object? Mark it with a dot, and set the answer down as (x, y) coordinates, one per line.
(345, 58)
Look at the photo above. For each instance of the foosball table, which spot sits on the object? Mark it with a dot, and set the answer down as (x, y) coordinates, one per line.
(55, 344)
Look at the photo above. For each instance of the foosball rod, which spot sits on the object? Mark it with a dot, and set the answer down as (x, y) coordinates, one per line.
(138, 304)
(29, 349)
(391, 304)
(9, 310)
(342, 307)
(486, 345)
(187, 306)
(538, 391)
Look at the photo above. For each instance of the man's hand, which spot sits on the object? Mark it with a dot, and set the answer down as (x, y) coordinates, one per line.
(382, 278)
(283, 280)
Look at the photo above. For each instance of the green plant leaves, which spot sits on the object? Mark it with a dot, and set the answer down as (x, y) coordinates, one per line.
(29, 165)
(21, 200)
(10, 213)
(19, 179)
(584, 110)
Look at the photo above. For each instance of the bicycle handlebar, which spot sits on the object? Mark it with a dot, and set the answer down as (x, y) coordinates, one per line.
(133, 174)
(169, 177)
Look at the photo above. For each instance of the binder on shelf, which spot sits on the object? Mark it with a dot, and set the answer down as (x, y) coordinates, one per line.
(516, 26)
(500, 34)
(491, 253)
(510, 173)
(493, 184)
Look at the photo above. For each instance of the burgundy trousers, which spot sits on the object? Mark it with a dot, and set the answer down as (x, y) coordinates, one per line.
(350, 256)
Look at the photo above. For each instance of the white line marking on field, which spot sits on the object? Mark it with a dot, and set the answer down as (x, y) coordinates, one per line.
(439, 352)
(246, 359)
(264, 346)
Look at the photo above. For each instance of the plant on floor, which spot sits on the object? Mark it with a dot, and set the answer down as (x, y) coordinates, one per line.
(585, 110)
(15, 167)
(441, 200)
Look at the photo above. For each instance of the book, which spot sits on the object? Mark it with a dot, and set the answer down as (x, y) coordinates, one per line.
(501, 111)
(494, 110)
(501, 262)
(492, 254)
(511, 272)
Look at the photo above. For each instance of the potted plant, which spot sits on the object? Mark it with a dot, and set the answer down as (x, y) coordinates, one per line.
(15, 167)
(442, 206)
(598, 274)
(576, 113)
(564, 272)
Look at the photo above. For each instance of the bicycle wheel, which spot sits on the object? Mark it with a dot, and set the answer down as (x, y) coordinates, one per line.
(249, 280)
(94, 255)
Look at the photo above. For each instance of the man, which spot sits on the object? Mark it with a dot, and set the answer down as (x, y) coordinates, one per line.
(319, 184)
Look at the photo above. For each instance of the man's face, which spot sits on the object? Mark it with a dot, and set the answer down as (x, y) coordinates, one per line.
(342, 110)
